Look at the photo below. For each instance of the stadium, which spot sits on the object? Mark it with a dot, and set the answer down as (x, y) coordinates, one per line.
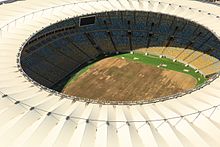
(115, 73)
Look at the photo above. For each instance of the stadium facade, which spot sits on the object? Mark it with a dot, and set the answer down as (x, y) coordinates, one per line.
(33, 115)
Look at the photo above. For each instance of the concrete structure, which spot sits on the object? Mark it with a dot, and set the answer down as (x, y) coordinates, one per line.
(32, 116)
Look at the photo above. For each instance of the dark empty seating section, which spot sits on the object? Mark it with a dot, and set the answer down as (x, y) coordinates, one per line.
(37, 77)
(205, 48)
(128, 19)
(43, 68)
(214, 43)
(121, 40)
(103, 41)
(202, 40)
(67, 48)
(175, 23)
(101, 21)
(154, 22)
(95, 27)
(83, 42)
(158, 40)
(116, 21)
(164, 27)
(139, 39)
(187, 31)
(140, 21)
(79, 53)
(107, 45)
(28, 50)
(65, 63)
(180, 42)
(166, 40)
(99, 35)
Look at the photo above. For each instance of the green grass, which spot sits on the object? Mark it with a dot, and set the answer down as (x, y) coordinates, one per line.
(155, 60)
(150, 60)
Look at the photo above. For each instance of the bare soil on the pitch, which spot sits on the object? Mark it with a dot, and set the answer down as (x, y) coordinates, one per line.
(117, 79)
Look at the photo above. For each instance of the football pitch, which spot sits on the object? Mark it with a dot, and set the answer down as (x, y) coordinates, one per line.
(153, 60)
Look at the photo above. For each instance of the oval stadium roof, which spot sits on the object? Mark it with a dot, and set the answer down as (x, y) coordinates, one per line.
(32, 116)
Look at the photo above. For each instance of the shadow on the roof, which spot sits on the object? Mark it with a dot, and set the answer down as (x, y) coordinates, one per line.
(9, 1)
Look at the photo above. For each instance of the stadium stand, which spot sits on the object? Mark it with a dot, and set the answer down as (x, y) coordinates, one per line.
(64, 46)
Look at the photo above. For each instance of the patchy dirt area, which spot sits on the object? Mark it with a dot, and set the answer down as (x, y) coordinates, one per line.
(119, 79)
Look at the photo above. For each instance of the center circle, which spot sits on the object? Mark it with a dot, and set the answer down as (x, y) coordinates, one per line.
(122, 56)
